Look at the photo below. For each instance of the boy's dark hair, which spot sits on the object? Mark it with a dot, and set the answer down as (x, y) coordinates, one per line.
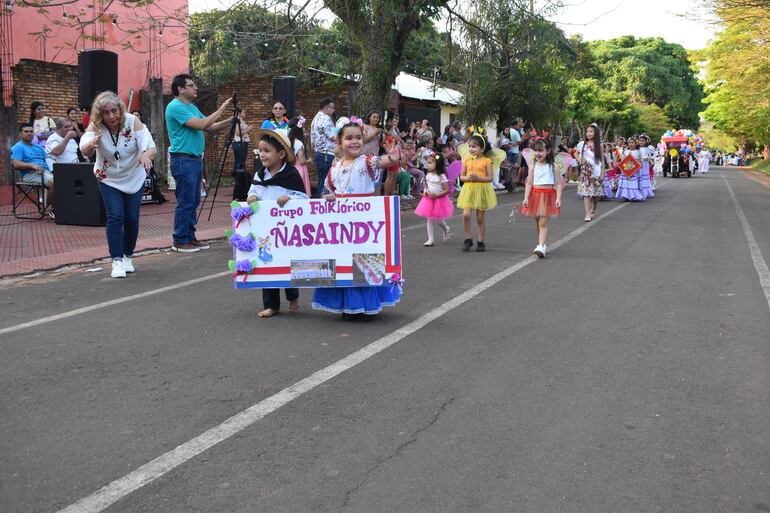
(22, 126)
(179, 81)
(544, 144)
(325, 102)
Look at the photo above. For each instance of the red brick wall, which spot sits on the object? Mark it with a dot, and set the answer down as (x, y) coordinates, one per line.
(255, 97)
(56, 85)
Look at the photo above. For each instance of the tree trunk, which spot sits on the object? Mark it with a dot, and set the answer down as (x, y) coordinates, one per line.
(381, 28)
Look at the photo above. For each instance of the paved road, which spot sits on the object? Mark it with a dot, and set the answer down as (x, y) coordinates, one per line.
(627, 372)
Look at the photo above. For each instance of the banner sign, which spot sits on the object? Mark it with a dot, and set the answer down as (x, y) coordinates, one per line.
(629, 166)
(351, 242)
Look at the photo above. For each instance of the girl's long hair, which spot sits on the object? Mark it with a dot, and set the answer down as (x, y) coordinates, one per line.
(440, 163)
(33, 106)
(99, 103)
(541, 143)
(296, 132)
(597, 142)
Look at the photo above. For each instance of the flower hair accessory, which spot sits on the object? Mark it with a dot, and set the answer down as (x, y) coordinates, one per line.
(301, 121)
(397, 281)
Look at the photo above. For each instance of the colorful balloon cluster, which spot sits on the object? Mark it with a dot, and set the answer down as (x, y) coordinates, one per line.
(693, 145)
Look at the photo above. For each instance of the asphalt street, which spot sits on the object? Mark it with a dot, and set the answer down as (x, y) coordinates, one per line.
(626, 372)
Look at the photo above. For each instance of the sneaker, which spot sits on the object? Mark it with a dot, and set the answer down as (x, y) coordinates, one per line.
(427, 243)
(118, 271)
(128, 264)
(184, 248)
(480, 246)
(467, 245)
(539, 251)
(200, 245)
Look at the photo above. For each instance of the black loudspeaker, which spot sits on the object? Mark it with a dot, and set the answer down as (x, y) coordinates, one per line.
(97, 72)
(77, 199)
(285, 90)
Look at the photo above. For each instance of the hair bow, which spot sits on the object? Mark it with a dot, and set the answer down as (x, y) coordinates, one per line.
(357, 121)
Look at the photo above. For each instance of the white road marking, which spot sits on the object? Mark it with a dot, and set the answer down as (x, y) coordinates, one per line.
(149, 472)
(756, 254)
(111, 302)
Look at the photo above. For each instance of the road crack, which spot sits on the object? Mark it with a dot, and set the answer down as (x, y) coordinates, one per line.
(397, 452)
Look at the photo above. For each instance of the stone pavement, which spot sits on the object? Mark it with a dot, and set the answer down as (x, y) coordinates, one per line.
(28, 246)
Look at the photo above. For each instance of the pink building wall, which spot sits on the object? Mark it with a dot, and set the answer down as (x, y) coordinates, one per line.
(150, 41)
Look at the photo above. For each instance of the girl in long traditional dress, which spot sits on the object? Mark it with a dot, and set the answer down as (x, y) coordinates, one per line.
(355, 175)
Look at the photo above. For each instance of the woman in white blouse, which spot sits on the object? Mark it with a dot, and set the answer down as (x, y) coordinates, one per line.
(124, 151)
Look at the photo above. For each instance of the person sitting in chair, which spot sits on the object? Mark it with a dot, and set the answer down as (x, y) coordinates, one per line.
(29, 159)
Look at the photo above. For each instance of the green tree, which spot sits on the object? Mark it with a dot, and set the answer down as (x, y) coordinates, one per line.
(738, 64)
(652, 70)
(381, 29)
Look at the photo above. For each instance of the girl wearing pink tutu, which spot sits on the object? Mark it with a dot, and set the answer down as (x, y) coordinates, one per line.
(435, 204)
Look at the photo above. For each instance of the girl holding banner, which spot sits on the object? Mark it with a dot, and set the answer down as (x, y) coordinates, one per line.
(355, 175)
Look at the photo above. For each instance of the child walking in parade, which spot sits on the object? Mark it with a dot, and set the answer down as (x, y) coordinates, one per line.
(628, 188)
(477, 192)
(542, 194)
(278, 180)
(435, 206)
(611, 176)
(355, 175)
(645, 176)
(591, 177)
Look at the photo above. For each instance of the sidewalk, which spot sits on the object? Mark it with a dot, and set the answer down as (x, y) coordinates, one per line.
(30, 246)
(40, 245)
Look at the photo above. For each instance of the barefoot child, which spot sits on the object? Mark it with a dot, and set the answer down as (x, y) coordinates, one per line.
(277, 179)
(542, 195)
(477, 192)
(435, 206)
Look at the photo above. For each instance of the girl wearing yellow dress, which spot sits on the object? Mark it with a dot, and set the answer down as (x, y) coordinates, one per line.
(477, 192)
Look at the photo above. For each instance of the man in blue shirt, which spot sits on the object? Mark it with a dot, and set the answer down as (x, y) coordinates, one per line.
(29, 159)
(185, 125)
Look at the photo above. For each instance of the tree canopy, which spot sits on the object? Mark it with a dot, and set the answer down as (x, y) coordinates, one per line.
(737, 71)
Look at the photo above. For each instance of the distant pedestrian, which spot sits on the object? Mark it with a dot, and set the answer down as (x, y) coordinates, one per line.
(591, 177)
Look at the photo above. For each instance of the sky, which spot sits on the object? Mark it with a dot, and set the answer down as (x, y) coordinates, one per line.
(673, 20)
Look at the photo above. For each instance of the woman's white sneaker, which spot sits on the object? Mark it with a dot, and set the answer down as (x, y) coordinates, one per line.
(128, 264)
(539, 251)
(118, 270)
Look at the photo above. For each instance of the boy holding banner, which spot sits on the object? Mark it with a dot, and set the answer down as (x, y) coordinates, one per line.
(277, 179)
